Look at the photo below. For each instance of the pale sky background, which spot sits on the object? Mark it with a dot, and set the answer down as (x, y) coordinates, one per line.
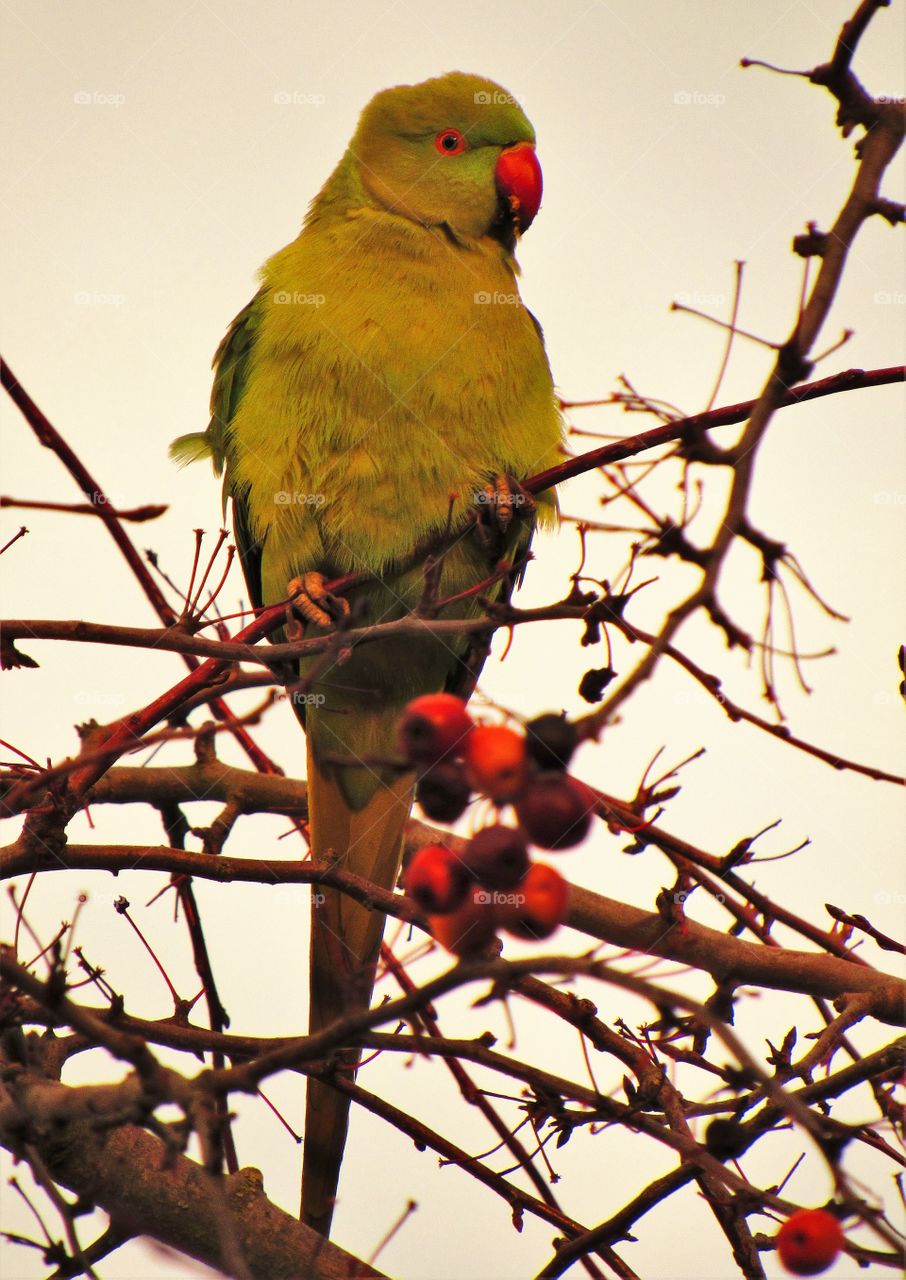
(152, 163)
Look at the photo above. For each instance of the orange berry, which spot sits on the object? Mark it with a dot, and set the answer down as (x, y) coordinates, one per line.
(809, 1241)
(496, 761)
(436, 879)
(537, 906)
(470, 927)
(433, 726)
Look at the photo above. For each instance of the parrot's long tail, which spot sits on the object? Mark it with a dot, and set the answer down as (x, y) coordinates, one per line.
(345, 944)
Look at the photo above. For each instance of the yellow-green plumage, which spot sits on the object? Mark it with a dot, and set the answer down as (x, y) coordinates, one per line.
(385, 364)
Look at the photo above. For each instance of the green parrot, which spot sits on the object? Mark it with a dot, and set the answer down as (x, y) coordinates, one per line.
(382, 381)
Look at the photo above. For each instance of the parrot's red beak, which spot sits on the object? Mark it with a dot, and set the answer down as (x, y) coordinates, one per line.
(519, 181)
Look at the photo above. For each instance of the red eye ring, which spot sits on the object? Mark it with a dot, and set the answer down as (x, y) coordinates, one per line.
(450, 142)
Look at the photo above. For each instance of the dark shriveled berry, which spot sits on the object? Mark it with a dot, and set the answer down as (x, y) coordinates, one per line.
(725, 1138)
(443, 792)
(550, 740)
(556, 810)
(497, 856)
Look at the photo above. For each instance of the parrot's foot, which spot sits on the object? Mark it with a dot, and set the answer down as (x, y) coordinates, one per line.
(501, 499)
(315, 604)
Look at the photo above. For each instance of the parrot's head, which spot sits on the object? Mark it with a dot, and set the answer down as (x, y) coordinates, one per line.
(455, 152)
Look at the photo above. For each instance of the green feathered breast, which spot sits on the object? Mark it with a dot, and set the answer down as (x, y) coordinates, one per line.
(379, 370)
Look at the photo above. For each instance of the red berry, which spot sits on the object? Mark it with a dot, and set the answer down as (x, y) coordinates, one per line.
(436, 879)
(496, 761)
(433, 726)
(470, 927)
(443, 792)
(537, 906)
(556, 810)
(497, 856)
(809, 1241)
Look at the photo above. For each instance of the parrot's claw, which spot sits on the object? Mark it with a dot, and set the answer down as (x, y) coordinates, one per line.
(501, 499)
(315, 604)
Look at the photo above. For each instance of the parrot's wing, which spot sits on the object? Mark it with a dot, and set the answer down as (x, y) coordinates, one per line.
(231, 367)
(468, 660)
(231, 371)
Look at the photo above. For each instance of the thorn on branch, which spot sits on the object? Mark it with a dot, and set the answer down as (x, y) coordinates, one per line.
(15, 538)
(772, 552)
(736, 637)
(205, 749)
(769, 66)
(12, 657)
(891, 210)
(813, 244)
(792, 366)
(672, 541)
(697, 446)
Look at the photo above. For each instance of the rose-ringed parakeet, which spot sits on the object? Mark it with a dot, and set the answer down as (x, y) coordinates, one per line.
(383, 377)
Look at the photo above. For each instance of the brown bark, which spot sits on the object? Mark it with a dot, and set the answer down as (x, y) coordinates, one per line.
(129, 1173)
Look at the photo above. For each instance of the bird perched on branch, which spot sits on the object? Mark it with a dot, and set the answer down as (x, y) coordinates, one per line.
(385, 378)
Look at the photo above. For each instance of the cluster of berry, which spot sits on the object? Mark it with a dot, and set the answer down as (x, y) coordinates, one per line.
(493, 882)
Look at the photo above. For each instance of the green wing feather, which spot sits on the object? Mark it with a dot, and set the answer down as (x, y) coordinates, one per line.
(231, 368)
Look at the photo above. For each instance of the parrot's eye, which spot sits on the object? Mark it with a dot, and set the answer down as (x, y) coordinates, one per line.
(450, 142)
